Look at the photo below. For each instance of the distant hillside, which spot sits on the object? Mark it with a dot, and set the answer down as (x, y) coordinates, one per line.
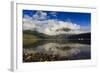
(35, 33)
(44, 36)
(84, 36)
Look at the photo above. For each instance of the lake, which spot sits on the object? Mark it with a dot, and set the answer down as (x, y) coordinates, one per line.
(56, 50)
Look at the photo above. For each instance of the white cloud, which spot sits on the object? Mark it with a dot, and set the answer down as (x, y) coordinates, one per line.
(27, 23)
(53, 13)
(40, 15)
(40, 23)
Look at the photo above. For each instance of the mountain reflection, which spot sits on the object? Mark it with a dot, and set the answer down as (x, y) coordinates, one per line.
(54, 51)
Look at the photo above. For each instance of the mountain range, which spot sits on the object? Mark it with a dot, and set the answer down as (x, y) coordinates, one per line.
(82, 36)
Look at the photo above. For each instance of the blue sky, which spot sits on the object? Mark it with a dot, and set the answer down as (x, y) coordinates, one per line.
(82, 19)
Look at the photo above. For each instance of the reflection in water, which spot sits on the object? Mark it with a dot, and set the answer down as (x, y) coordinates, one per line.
(53, 51)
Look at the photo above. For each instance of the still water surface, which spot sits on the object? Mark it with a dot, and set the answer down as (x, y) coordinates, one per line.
(56, 51)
